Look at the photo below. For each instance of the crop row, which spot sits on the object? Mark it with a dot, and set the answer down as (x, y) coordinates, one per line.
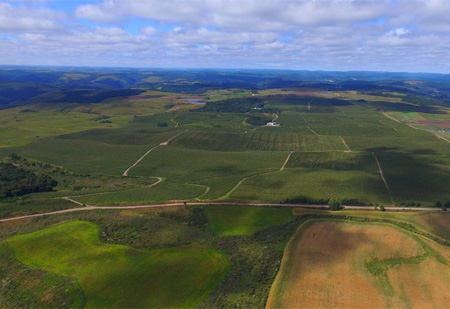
(257, 141)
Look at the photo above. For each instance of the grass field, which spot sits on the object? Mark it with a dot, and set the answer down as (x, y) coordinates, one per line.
(241, 220)
(369, 265)
(119, 276)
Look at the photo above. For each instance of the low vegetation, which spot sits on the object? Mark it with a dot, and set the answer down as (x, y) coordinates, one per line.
(124, 277)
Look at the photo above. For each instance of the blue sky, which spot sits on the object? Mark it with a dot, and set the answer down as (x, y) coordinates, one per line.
(376, 35)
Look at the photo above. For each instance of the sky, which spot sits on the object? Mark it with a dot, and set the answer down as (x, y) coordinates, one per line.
(337, 35)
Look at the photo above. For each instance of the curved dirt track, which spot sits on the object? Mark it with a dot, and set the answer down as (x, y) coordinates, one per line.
(125, 174)
(88, 207)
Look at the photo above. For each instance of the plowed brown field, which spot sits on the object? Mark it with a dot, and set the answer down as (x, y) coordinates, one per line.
(325, 266)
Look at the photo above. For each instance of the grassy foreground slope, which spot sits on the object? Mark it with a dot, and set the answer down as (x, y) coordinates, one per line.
(117, 275)
(369, 265)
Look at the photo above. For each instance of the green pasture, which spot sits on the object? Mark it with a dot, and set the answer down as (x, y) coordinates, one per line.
(118, 275)
(244, 220)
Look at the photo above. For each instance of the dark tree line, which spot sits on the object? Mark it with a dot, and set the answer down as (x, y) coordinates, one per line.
(15, 181)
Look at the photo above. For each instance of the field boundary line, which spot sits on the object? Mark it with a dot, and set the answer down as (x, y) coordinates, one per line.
(380, 170)
(342, 139)
(313, 131)
(286, 161)
(125, 174)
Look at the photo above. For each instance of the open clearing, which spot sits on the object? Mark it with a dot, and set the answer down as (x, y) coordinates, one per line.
(119, 276)
(336, 264)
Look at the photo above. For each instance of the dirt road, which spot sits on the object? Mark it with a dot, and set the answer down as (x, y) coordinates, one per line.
(125, 174)
(175, 204)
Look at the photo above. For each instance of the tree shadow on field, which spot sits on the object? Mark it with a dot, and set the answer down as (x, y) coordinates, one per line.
(412, 176)
(403, 107)
(323, 243)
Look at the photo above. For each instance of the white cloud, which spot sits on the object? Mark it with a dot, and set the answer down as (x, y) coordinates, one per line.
(16, 19)
(312, 34)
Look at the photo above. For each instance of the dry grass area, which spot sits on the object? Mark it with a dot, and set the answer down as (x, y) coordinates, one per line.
(325, 266)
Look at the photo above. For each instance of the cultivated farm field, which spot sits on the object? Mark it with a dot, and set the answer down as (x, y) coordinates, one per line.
(369, 265)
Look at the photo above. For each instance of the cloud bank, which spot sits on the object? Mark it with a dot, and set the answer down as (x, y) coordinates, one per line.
(382, 35)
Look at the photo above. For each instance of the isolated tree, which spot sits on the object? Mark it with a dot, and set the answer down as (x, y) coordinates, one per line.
(334, 205)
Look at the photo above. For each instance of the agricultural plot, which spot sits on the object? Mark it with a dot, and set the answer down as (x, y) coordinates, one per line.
(405, 171)
(120, 276)
(163, 192)
(30, 205)
(368, 266)
(314, 184)
(125, 136)
(268, 141)
(214, 121)
(83, 156)
(346, 161)
(208, 168)
(351, 121)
